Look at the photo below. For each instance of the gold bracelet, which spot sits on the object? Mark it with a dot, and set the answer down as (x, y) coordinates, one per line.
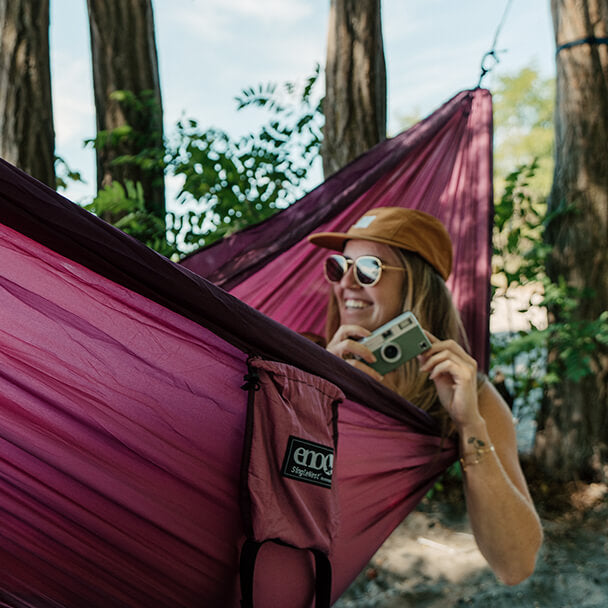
(478, 455)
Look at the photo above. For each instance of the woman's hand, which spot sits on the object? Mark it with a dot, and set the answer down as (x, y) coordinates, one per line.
(454, 373)
(345, 344)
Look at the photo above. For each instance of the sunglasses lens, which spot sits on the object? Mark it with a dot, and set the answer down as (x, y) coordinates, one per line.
(368, 270)
(335, 268)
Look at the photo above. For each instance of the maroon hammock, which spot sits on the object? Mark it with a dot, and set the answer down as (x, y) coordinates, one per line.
(132, 469)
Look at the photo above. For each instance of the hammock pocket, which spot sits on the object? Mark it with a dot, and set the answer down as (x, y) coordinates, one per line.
(288, 494)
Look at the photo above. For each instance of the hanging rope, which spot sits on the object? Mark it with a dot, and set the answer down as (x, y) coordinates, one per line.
(492, 54)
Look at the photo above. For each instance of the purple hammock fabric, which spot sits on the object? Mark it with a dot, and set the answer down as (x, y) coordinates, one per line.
(442, 166)
(122, 420)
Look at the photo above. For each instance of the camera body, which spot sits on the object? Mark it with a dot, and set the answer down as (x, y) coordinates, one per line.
(396, 342)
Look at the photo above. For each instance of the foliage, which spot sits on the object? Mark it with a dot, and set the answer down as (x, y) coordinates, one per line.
(523, 127)
(226, 183)
(520, 255)
(451, 475)
(65, 174)
(134, 143)
(125, 205)
(239, 182)
(523, 142)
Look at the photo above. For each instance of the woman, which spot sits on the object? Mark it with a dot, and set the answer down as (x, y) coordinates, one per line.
(397, 259)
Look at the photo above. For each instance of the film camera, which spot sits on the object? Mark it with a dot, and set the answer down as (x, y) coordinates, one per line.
(396, 342)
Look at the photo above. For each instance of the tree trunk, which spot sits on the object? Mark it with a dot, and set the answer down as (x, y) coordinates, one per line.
(124, 59)
(573, 430)
(27, 136)
(355, 82)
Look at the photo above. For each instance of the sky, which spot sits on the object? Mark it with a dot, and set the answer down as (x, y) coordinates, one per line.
(209, 50)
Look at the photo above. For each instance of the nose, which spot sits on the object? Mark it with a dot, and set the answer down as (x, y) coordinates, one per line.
(348, 280)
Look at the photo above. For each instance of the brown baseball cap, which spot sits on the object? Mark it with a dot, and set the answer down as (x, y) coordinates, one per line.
(407, 229)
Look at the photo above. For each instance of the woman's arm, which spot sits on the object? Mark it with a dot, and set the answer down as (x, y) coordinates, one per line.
(504, 521)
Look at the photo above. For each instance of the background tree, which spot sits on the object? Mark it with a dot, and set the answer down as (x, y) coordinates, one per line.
(355, 82)
(572, 441)
(128, 104)
(27, 135)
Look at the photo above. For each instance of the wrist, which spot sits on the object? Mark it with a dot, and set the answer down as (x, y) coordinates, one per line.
(475, 443)
(476, 455)
(476, 427)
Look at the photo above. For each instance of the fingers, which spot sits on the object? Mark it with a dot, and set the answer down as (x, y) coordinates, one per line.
(454, 373)
(431, 337)
(349, 349)
(345, 345)
(433, 356)
(354, 332)
(446, 365)
(439, 346)
(447, 356)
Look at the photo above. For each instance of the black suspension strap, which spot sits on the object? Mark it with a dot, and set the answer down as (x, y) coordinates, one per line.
(591, 40)
(252, 386)
(492, 54)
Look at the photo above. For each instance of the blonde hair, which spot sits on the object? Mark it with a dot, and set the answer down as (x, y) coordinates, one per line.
(427, 296)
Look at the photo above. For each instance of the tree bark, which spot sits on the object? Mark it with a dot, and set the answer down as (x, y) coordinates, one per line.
(572, 441)
(27, 135)
(355, 82)
(124, 59)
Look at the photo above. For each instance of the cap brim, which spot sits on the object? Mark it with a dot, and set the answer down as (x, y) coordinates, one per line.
(329, 240)
(337, 240)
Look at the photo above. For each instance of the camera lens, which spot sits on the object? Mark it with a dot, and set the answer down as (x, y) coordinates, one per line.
(391, 352)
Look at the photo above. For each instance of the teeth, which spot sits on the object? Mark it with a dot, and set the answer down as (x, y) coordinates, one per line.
(355, 304)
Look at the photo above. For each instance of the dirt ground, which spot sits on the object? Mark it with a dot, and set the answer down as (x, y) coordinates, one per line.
(431, 560)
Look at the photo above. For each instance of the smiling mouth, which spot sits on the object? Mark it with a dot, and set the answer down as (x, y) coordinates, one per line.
(355, 304)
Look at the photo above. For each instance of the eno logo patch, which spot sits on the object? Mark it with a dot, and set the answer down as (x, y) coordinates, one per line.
(308, 461)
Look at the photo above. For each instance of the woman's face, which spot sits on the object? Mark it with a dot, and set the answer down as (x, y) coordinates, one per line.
(370, 307)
